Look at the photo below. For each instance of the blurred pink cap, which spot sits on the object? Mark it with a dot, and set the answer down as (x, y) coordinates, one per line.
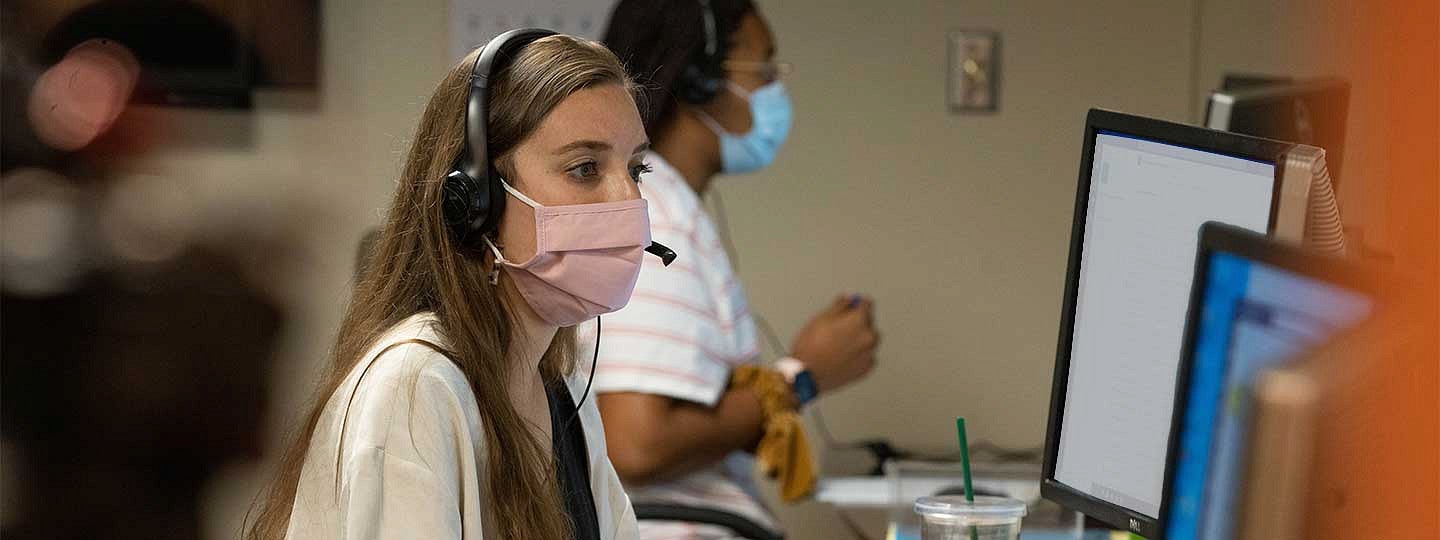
(79, 98)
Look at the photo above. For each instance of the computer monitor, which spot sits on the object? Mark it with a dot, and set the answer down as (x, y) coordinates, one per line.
(1311, 112)
(1256, 305)
(1243, 81)
(1145, 187)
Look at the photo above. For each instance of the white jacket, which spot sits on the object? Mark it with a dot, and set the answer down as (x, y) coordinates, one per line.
(399, 452)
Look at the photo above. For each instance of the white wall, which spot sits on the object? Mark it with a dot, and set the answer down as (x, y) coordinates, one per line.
(957, 225)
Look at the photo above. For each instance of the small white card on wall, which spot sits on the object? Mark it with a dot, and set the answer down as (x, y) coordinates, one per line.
(475, 22)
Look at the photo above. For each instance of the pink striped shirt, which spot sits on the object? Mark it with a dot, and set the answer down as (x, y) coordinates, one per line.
(685, 328)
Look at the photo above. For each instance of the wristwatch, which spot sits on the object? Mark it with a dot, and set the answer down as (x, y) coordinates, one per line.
(800, 379)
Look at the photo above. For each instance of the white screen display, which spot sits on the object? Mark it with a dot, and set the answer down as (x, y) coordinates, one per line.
(1146, 203)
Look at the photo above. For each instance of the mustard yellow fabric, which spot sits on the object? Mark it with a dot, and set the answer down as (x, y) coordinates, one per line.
(784, 452)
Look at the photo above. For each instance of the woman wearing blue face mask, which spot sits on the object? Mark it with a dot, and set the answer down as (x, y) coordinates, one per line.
(680, 428)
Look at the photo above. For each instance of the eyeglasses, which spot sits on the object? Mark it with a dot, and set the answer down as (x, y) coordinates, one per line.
(768, 70)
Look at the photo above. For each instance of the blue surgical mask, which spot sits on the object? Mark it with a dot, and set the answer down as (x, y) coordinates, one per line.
(769, 125)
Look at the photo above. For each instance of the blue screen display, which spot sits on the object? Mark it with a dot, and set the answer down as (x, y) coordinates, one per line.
(1253, 317)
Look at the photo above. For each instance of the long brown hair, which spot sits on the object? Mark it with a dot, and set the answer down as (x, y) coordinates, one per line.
(418, 266)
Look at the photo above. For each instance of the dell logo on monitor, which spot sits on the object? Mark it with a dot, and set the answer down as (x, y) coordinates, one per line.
(1134, 525)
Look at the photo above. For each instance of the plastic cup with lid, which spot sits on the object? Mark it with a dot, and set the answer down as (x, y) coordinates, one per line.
(951, 517)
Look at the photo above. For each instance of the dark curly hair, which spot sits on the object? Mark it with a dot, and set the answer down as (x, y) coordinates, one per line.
(658, 39)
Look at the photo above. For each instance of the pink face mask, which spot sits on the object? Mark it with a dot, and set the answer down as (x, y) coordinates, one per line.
(587, 258)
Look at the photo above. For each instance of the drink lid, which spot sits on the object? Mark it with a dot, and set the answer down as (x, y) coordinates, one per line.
(982, 507)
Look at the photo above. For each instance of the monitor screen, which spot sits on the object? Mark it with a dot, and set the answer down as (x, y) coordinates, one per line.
(1146, 202)
(1252, 316)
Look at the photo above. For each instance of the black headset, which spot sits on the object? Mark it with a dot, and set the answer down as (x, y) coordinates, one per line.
(473, 198)
(704, 77)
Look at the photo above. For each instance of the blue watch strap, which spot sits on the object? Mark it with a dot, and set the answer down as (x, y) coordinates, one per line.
(805, 388)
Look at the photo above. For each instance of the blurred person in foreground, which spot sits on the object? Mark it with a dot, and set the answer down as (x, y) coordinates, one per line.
(135, 349)
(126, 393)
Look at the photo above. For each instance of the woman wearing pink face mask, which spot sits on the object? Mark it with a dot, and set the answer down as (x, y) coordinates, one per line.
(449, 409)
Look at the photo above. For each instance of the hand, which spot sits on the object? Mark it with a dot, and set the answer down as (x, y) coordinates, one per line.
(838, 345)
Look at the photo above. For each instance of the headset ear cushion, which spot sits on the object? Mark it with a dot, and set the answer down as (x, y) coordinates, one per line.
(698, 87)
(459, 202)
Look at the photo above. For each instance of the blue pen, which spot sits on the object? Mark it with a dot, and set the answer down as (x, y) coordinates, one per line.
(854, 301)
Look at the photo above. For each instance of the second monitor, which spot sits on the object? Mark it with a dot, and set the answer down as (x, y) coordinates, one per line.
(1256, 305)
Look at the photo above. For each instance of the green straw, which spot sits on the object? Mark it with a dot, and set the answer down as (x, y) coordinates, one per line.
(965, 466)
(965, 459)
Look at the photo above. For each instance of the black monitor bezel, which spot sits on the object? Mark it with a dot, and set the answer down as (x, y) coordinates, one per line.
(1261, 99)
(1097, 120)
(1218, 237)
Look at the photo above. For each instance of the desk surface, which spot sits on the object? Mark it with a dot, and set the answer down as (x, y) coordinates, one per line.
(879, 491)
(1046, 521)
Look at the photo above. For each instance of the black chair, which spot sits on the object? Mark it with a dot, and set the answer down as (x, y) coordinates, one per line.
(740, 525)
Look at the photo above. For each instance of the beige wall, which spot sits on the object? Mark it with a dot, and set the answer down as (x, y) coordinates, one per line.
(956, 225)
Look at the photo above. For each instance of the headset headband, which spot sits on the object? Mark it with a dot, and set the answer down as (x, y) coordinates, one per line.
(477, 112)
(708, 20)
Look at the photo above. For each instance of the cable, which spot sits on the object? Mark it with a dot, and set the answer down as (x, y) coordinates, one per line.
(814, 408)
(723, 220)
(594, 361)
(849, 522)
(1003, 453)
(825, 431)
